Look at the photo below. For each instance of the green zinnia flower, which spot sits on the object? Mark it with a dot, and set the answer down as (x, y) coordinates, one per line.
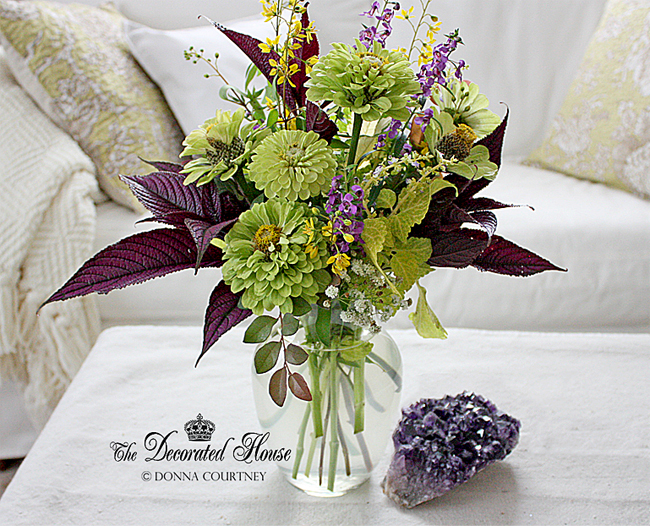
(218, 143)
(292, 164)
(373, 83)
(274, 253)
(466, 105)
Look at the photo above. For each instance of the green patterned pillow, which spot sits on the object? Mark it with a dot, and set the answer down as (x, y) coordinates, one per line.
(602, 132)
(74, 62)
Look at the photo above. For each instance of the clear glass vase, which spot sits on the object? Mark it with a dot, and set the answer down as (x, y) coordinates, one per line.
(355, 380)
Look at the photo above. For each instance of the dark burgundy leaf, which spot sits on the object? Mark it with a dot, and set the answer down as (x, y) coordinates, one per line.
(456, 215)
(221, 315)
(438, 207)
(228, 207)
(504, 257)
(278, 386)
(133, 260)
(204, 232)
(318, 121)
(164, 166)
(487, 221)
(476, 204)
(166, 197)
(212, 203)
(457, 249)
(494, 141)
(250, 47)
(299, 387)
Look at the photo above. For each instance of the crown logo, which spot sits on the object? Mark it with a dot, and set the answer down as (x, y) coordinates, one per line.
(199, 430)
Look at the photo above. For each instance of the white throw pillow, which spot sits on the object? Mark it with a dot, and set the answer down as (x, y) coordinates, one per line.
(191, 96)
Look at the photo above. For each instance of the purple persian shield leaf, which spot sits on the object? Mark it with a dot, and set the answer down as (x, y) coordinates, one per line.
(504, 257)
(457, 249)
(134, 260)
(227, 205)
(319, 122)
(221, 315)
(494, 141)
(204, 232)
(166, 197)
(164, 166)
(250, 47)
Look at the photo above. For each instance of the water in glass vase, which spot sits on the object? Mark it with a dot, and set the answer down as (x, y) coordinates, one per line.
(355, 380)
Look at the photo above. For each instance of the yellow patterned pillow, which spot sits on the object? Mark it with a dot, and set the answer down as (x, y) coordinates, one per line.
(74, 62)
(602, 132)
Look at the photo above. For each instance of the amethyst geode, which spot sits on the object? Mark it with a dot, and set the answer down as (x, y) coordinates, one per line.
(439, 444)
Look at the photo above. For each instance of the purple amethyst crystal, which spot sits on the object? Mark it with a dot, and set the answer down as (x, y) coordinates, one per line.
(439, 444)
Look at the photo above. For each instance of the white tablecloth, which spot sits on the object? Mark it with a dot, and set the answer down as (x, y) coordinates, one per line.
(583, 456)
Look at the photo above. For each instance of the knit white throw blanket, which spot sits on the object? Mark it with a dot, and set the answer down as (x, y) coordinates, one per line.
(47, 226)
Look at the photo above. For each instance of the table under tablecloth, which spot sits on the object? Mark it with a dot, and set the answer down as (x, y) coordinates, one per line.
(583, 456)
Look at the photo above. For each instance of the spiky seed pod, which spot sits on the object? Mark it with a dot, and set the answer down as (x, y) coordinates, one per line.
(457, 144)
(267, 257)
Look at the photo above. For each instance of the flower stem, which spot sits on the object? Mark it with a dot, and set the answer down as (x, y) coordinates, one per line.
(316, 400)
(333, 410)
(300, 448)
(354, 142)
(344, 448)
(359, 396)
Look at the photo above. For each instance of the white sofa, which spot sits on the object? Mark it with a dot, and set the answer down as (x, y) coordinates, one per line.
(523, 53)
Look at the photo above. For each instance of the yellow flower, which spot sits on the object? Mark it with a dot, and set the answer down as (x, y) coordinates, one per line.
(406, 14)
(269, 45)
(339, 263)
(328, 229)
(309, 229)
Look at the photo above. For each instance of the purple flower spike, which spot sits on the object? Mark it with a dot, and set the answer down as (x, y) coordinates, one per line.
(439, 444)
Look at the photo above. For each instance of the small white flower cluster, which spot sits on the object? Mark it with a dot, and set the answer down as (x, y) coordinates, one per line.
(362, 310)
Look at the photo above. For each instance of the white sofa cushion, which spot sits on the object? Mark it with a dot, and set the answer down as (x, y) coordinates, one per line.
(192, 97)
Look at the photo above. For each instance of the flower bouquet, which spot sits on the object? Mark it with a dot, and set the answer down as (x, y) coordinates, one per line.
(325, 198)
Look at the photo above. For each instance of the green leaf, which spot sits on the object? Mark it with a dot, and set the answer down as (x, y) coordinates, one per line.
(374, 234)
(272, 118)
(412, 206)
(296, 355)
(300, 306)
(357, 352)
(289, 325)
(267, 356)
(251, 73)
(299, 387)
(323, 326)
(425, 321)
(260, 329)
(476, 165)
(410, 261)
(278, 386)
(386, 199)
